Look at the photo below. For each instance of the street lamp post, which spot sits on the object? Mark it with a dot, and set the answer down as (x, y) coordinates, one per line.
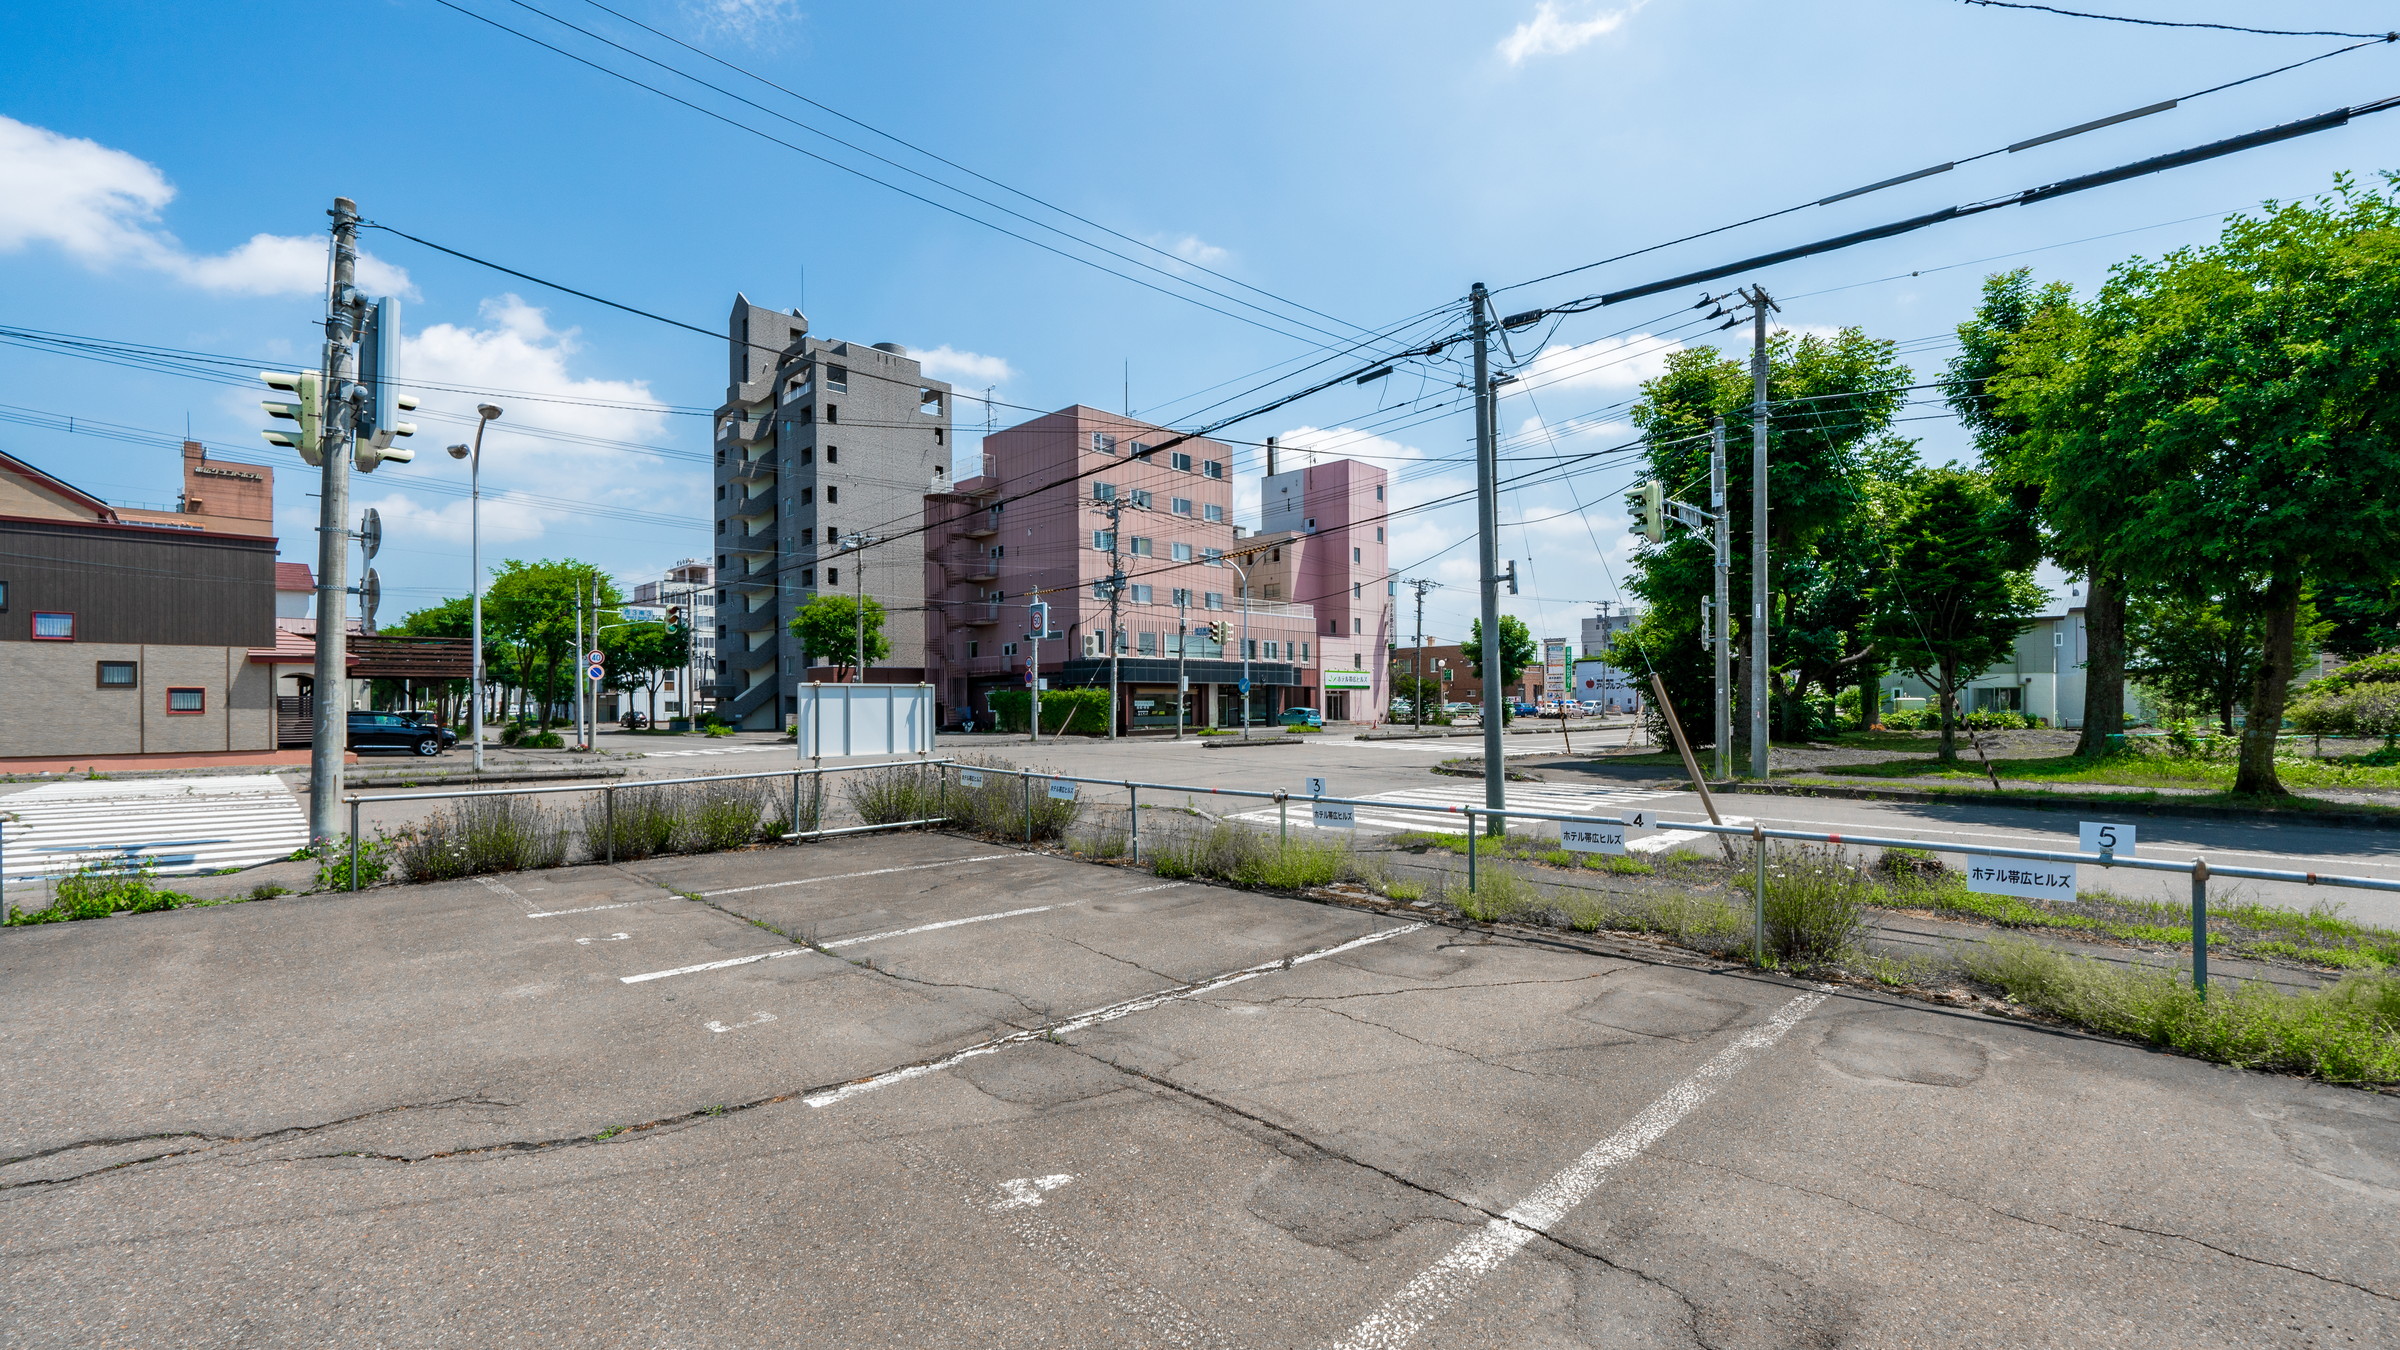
(473, 455)
(1244, 575)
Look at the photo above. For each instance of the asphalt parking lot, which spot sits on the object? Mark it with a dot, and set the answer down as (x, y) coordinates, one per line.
(1012, 1099)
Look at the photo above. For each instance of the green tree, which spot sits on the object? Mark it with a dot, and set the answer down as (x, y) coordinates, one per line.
(1958, 590)
(1828, 439)
(532, 608)
(2227, 414)
(828, 631)
(2203, 655)
(640, 654)
(1975, 383)
(2361, 619)
(1516, 649)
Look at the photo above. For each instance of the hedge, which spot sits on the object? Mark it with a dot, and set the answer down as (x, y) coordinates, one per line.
(1079, 710)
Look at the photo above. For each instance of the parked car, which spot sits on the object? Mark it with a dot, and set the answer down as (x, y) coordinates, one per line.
(399, 731)
(1524, 709)
(1303, 717)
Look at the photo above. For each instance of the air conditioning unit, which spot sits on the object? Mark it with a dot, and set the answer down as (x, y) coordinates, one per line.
(1091, 645)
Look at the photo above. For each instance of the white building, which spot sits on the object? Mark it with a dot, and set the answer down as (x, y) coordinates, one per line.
(690, 584)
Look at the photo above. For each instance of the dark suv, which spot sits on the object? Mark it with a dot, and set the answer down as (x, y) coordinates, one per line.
(398, 731)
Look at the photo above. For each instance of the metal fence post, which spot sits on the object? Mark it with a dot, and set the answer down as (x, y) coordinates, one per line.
(1283, 816)
(1471, 828)
(1758, 896)
(1133, 820)
(354, 843)
(1028, 777)
(795, 803)
(2200, 925)
(608, 812)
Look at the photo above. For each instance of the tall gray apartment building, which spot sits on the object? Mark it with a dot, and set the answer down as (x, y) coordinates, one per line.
(817, 441)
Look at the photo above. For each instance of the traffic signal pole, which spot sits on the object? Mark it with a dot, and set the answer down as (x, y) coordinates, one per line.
(1487, 531)
(1722, 639)
(330, 703)
(1760, 303)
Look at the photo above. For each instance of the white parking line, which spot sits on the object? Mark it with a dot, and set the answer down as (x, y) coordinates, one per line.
(852, 876)
(781, 952)
(1445, 1281)
(1098, 1015)
(587, 909)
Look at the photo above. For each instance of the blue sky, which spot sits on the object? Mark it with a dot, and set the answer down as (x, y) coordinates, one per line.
(164, 171)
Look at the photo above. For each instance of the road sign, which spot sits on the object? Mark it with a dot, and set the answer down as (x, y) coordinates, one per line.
(1592, 836)
(1244, 683)
(1062, 789)
(595, 672)
(2100, 836)
(595, 656)
(2021, 876)
(1316, 787)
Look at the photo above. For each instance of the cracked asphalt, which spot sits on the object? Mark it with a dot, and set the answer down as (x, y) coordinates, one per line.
(927, 1091)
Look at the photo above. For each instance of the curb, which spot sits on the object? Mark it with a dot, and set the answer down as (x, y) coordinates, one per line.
(2356, 820)
(471, 779)
(1236, 742)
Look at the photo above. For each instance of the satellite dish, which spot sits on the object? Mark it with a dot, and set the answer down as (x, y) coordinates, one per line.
(370, 535)
(369, 595)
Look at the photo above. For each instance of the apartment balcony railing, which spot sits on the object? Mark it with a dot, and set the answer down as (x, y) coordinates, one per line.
(760, 470)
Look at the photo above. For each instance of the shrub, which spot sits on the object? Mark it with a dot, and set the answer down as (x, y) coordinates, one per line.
(1816, 904)
(1241, 856)
(483, 834)
(902, 792)
(375, 858)
(2362, 710)
(1080, 710)
(2346, 1033)
(719, 729)
(1930, 719)
(704, 817)
(998, 810)
(98, 890)
(541, 740)
(1909, 864)
(2384, 669)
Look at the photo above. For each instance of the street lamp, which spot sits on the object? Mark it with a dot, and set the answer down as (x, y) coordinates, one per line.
(473, 455)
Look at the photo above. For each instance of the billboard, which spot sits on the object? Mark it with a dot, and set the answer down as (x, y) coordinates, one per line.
(1604, 684)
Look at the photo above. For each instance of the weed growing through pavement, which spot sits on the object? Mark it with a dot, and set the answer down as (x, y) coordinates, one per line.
(483, 834)
(268, 890)
(1241, 856)
(1816, 905)
(703, 817)
(98, 890)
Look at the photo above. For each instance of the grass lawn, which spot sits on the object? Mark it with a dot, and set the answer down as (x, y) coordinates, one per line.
(2126, 771)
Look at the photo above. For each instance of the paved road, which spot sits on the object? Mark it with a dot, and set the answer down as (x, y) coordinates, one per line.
(1033, 1102)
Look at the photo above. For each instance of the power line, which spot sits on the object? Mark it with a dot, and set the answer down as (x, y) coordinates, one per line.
(2171, 23)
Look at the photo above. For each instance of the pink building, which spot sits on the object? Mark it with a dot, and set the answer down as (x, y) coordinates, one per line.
(1322, 545)
(1036, 523)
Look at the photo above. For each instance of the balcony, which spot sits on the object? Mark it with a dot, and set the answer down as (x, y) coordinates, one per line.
(967, 563)
(973, 615)
(983, 528)
(751, 621)
(757, 542)
(760, 470)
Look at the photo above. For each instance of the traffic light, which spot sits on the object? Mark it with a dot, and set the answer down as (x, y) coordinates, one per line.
(1219, 631)
(379, 411)
(1649, 521)
(305, 409)
(674, 616)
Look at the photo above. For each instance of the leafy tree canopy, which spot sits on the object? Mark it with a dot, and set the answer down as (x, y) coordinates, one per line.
(828, 630)
(1516, 648)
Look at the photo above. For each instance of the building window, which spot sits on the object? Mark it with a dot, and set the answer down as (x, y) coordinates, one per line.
(1304, 653)
(1137, 449)
(1391, 588)
(119, 675)
(1139, 546)
(1274, 650)
(834, 494)
(1212, 468)
(183, 702)
(1104, 540)
(833, 454)
(1379, 492)
(1213, 600)
(837, 378)
(1146, 643)
(973, 648)
(1355, 589)
(809, 495)
(1180, 552)
(1183, 596)
(1212, 556)
(1250, 648)
(1379, 534)
(1141, 594)
(53, 627)
(832, 535)
(1142, 498)
(1271, 591)
(720, 527)
(1103, 443)
(1213, 513)
(1100, 590)
(1104, 492)
(1333, 625)
(1358, 625)
(808, 455)
(808, 576)
(1182, 506)
(833, 576)
(1008, 649)
(833, 414)
(720, 492)
(1355, 558)
(1180, 460)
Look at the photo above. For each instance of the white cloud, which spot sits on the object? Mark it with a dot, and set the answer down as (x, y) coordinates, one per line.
(747, 21)
(451, 521)
(1551, 33)
(1193, 249)
(101, 207)
(971, 369)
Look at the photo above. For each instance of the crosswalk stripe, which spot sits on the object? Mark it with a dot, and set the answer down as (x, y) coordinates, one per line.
(185, 825)
(1563, 801)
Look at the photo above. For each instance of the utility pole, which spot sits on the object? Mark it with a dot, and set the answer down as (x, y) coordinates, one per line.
(1040, 614)
(330, 714)
(1723, 637)
(1114, 509)
(1487, 531)
(1416, 700)
(580, 681)
(856, 543)
(1183, 682)
(1760, 303)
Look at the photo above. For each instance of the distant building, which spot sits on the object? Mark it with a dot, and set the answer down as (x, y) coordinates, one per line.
(134, 633)
(690, 584)
(1322, 543)
(1448, 664)
(1031, 522)
(1597, 681)
(816, 441)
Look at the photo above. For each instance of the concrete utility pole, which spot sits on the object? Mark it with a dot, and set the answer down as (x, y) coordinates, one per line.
(1416, 699)
(855, 543)
(330, 714)
(1722, 639)
(1040, 613)
(1760, 303)
(1487, 531)
(1114, 509)
(1183, 682)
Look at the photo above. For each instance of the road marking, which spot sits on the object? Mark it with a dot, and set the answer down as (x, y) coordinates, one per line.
(760, 1020)
(781, 952)
(728, 750)
(587, 909)
(1027, 1191)
(1145, 890)
(180, 825)
(613, 937)
(1096, 1016)
(852, 876)
(1447, 1280)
